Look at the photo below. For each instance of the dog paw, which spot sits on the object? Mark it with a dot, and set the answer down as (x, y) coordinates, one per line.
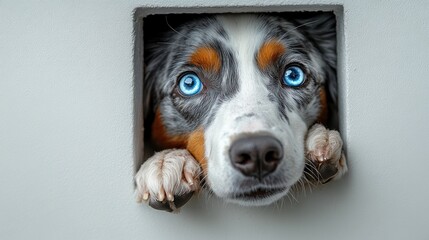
(325, 158)
(168, 179)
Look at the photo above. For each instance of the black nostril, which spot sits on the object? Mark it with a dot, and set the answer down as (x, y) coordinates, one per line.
(272, 156)
(256, 155)
(243, 158)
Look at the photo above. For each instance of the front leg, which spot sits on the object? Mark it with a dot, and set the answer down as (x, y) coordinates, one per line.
(168, 179)
(325, 159)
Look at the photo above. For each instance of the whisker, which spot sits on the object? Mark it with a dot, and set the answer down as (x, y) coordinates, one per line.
(168, 44)
(311, 175)
(289, 197)
(299, 26)
(293, 196)
(168, 24)
(315, 170)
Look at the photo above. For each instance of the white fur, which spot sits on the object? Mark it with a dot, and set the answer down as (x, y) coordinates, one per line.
(167, 174)
(250, 111)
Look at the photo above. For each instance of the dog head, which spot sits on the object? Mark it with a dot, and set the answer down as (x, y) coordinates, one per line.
(239, 92)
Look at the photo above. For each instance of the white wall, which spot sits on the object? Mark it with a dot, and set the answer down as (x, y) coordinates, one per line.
(66, 156)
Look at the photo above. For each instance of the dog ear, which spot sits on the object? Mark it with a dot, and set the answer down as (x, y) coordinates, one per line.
(148, 95)
(320, 29)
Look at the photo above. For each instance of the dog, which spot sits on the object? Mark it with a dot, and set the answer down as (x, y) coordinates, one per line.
(240, 104)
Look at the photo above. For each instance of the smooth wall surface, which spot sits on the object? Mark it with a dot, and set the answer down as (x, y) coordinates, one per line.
(66, 130)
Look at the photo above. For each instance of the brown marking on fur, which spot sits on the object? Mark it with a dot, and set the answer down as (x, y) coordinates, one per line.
(206, 58)
(162, 139)
(269, 52)
(193, 142)
(196, 147)
(323, 114)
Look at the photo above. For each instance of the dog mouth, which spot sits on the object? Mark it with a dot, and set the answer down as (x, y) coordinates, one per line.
(258, 194)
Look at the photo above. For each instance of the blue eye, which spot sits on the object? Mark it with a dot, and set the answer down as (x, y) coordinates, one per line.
(190, 84)
(294, 76)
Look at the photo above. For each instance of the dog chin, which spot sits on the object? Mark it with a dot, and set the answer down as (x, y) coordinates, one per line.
(258, 197)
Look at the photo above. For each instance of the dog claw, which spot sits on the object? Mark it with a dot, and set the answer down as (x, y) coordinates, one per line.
(170, 197)
(145, 196)
(189, 178)
(161, 196)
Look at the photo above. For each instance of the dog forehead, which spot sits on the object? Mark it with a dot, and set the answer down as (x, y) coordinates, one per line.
(245, 37)
(246, 33)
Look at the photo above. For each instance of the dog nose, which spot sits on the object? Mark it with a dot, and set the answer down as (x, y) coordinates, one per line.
(256, 156)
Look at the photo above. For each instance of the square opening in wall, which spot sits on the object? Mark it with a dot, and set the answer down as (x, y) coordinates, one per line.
(239, 102)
